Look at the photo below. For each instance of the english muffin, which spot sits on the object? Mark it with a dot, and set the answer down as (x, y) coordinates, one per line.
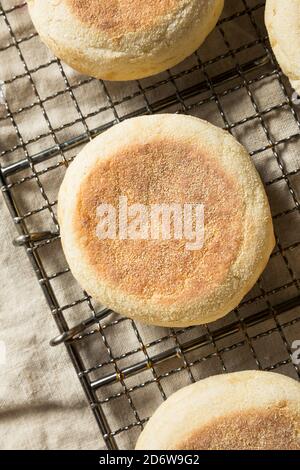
(240, 411)
(124, 39)
(204, 231)
(283, 25)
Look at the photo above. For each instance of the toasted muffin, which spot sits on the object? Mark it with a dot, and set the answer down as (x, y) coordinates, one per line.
(124, 39)
(283, 25)
(250, 410)
(159, 161)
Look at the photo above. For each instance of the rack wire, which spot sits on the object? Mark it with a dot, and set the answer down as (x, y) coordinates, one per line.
(227, 81)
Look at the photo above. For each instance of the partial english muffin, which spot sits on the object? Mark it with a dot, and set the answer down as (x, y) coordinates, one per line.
(283, 25)
(250, 410)
(124, 39)
(172, 163)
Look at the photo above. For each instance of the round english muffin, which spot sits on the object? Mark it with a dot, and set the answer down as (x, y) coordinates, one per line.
(124, 39)
(173, 163)
(283, 25)
(249, 410)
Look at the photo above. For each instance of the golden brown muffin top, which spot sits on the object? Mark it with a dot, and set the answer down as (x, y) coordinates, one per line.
(121, 16)
(163, 171)
(275, 428)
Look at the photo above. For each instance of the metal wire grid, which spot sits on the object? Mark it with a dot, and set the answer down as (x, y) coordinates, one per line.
(109, 372)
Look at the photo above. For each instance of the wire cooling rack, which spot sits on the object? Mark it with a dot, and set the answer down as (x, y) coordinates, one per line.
(127, 369)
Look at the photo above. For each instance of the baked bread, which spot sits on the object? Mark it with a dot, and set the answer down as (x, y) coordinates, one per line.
(283, 25)
(240, 411)
(166, 159)
(124, 39)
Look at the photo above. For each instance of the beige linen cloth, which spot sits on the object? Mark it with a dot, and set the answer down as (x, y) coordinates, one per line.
(42, 405)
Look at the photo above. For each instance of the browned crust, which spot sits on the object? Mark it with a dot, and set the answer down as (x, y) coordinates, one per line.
(162, 172)
(118, 17)
(275, 428)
